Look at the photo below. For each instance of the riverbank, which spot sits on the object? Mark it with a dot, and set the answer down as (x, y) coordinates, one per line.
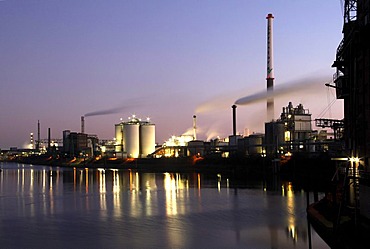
(341, 232)
(301, 169)
(244, 166)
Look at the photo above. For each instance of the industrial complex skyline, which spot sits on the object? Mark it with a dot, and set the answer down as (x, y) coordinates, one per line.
(167, 60)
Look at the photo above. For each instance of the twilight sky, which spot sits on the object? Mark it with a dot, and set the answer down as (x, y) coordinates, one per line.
(163, 59)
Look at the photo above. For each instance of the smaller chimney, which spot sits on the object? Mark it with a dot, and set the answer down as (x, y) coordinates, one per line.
(82, 124)
(38, 135)
(234, 119)
(49, 139)
(194, 127)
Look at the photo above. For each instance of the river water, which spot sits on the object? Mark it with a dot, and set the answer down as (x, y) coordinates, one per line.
(51, 207)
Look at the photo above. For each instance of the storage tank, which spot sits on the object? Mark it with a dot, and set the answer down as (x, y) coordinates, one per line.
(118, 137)
(274, 137)
(255, 144)
(147, 139)
(131, 139)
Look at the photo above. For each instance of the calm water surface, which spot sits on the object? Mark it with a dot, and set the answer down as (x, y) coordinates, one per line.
(44, 207)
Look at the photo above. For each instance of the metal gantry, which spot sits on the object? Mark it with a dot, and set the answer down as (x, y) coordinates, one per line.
(335, 124)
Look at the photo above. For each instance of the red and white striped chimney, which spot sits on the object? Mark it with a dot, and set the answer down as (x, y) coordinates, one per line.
(270, 67)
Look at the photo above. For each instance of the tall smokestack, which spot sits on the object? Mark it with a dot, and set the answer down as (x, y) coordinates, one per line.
(270, 67)
(194, 127)
(82, 124)
(234, 119)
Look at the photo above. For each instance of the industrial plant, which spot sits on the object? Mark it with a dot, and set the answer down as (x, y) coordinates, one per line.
(289, 133)
(292, 144)
(135, 138)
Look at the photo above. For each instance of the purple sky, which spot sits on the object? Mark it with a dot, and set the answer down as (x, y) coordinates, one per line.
(62, 59)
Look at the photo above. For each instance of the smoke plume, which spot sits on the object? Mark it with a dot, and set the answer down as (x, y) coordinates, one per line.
(305, 86)
(113, 110)
(106, 111)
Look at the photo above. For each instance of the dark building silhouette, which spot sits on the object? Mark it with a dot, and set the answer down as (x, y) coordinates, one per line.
(352, 83)
(74, 143)
(352, 79)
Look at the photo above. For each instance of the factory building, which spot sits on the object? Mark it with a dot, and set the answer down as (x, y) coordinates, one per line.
(292, 132)
(80, 144)
(297, 123)
(251, 145)
(198, 148)
(134, 138)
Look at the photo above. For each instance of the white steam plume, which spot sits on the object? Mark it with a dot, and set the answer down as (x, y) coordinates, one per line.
(305, 86)
(118, 109)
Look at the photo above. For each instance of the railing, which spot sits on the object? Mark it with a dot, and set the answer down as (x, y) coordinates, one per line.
(340, 50)
(321, 122)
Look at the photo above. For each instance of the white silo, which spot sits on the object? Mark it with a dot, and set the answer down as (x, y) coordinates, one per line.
(118, 137)
(147, 139)
(131, 139)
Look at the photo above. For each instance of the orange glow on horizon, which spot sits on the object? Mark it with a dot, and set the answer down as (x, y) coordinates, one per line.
(128, 160)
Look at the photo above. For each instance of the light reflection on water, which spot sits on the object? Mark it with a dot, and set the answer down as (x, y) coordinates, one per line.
(84, 208)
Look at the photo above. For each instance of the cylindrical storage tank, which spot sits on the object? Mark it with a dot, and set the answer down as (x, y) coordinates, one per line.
(279, 134)
(255, 144)
(274, 137)
(118, 137)
(147, 139)
(131, 139)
